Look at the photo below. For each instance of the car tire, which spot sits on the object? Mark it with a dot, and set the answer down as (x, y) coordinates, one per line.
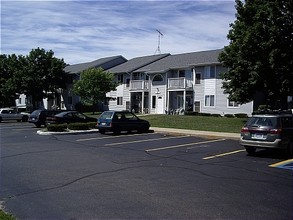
(38, 125)
(24, 118)
(250, 150)
(102, 131)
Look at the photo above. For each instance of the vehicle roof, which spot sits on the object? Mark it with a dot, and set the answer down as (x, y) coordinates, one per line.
(6, 109)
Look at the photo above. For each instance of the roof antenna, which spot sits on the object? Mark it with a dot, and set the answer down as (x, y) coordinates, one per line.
(158, 50)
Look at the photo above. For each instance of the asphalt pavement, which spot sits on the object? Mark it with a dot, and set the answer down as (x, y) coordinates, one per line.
(208, 134)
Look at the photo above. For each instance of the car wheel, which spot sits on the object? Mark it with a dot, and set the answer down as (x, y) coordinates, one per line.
(102, 131)
(24, 118)
(38, 125)
(250, 150)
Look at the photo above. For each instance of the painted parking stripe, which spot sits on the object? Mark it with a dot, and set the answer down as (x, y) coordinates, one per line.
(183, 145)
(146, 140)
(287, 164)
(106, 137)
(224, 154)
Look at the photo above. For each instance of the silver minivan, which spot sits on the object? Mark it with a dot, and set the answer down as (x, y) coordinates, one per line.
(268, 131)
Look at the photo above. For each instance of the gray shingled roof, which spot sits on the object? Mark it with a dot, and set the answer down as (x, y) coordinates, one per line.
(77, 68)
(184, 60)
(136, 63)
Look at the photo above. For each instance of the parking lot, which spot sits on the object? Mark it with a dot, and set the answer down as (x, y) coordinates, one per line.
(140, 176)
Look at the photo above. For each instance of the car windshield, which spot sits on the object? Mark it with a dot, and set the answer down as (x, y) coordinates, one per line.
(106, 115)
(262, 121)
(36, 113)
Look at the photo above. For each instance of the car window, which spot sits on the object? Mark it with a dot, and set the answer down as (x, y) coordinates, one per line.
(106, 115)
(262, 121)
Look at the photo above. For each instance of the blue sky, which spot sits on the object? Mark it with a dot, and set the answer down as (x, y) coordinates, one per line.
(83, 31)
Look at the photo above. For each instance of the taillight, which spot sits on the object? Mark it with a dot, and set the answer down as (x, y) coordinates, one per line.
(244, 130)
(275, 131)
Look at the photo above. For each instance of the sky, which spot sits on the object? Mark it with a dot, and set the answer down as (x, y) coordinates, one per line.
(83, 31)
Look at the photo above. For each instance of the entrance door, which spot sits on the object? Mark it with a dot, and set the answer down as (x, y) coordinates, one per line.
(160, 105)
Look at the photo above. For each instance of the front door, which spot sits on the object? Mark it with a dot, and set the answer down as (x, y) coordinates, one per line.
(160, 105)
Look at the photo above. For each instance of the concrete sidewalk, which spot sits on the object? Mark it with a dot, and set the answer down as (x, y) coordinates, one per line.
(197, 133)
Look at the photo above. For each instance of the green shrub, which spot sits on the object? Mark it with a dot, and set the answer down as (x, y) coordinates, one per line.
(241, 115)
(57, 127)
(92, 125)
(78, 126)
(229, 115)
(216, 115)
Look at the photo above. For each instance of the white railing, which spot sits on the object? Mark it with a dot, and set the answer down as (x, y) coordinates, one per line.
(179, 83)
(139, 85)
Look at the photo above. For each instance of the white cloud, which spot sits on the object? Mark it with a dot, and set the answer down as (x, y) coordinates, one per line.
(81, 31)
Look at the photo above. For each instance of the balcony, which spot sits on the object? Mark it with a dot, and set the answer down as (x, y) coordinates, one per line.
(139, 85)
(180, 83)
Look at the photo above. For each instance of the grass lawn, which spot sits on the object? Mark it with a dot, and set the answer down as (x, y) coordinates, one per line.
(191, 122)
(203, 123)
(5, 216)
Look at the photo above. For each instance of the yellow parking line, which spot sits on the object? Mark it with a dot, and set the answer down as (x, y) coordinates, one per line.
(224, 154)
(183, 145)
(138, 141)
(281, 163)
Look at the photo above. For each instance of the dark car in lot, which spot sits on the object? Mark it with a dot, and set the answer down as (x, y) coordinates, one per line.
(38, 117)
(69, 117)
(117, 121)
(268, 131)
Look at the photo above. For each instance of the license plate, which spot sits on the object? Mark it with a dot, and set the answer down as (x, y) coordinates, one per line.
(103, 123)
(258, 136)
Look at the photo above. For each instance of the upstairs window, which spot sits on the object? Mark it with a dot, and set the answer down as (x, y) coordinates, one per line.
(120, 78)
(119, 100)
(181, 73)
(197, 78)
(210, 72)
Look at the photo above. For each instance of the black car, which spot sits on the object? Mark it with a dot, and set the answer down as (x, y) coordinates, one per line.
(69, 117)
(117, 121)
(38, 117)
(268, 131)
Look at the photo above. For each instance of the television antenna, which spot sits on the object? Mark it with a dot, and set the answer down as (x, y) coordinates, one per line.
(158, 50)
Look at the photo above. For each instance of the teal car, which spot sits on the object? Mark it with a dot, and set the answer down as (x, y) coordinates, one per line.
(117, 121)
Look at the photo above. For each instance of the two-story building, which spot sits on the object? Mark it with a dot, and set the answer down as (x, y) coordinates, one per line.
(174, 84)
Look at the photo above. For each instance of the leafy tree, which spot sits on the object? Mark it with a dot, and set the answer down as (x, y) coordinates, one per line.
(42, 75)
(259, 56)
(10, 67)
(93, 85)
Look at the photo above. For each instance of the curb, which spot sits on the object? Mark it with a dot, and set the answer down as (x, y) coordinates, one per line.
(40, 132)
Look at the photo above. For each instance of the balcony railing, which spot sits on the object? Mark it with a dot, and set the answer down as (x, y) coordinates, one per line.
(139, 85)
(179, 83)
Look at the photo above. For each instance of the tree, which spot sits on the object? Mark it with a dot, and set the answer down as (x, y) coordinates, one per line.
(259, 55)
(10, 68)
(42, 75)
(93, 85)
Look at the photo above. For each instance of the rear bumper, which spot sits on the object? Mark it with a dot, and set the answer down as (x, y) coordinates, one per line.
(278, 144)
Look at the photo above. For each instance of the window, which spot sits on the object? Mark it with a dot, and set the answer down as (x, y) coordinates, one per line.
(210, 72)
(153, 101)
(209, 100)
(158, 78)
(119, 100)
(181, 73)
(197, 78)
(120, 78)
(233, 104)
(127, 82)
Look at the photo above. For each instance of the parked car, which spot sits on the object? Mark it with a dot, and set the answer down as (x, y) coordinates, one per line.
(69, 117)
(11, 114)
(117, 121)
(38, 117)
(268, 131)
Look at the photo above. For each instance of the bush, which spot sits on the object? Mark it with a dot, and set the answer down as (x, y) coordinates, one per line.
(216, 115)
(57, 127)
(229, 115)
(241, 115)
(82, 126)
